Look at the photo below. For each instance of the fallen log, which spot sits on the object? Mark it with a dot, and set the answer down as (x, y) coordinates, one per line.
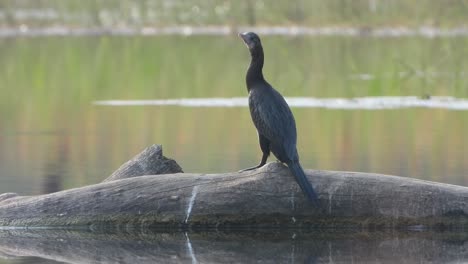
(264, 198)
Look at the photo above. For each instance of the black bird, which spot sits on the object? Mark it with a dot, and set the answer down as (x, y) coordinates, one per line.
(272, 117)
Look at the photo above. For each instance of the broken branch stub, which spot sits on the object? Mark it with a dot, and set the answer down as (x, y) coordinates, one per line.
(149, 162)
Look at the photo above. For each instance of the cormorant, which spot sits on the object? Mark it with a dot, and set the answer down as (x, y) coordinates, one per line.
(272, 117)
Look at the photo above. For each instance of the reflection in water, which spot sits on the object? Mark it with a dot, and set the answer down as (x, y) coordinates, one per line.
(190, 249)
(423, 143)
(55, 169)
(233, 247)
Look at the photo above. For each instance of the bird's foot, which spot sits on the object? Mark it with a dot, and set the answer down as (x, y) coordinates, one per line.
(253, 168)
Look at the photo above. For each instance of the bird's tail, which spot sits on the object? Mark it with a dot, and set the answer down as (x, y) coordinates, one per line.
(303, 182)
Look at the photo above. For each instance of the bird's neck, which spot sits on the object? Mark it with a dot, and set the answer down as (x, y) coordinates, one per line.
(254, 73)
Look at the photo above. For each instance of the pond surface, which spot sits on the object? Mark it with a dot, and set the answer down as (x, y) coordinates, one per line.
(48, 246)
(53, 136)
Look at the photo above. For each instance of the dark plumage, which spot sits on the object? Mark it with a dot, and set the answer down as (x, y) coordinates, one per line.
(272, 117)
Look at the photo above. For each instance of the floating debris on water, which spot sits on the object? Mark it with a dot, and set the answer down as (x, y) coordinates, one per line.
(423, 31)
(383, 102)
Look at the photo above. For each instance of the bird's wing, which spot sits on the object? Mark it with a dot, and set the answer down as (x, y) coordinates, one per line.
(273, 119)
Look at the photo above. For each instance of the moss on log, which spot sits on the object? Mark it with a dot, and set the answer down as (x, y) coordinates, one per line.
(268, 197)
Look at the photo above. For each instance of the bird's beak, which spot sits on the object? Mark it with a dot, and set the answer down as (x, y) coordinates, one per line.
(243, 36)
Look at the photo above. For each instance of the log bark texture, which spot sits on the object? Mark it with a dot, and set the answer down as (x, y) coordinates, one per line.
(267, 197)
(149, 162)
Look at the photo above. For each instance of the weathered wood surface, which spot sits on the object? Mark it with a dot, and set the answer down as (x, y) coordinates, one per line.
(234, 247)
(149, 162)
(267, 197)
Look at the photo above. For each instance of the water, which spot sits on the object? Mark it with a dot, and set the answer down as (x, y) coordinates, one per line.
(53, 135)
(232, 247)
(74, 107)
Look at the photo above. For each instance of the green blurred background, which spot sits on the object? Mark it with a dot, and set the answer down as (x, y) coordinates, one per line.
(52, 137)
(235, 12)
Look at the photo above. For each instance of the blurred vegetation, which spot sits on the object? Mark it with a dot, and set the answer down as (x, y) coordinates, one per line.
(234, 12)
(49, 125)
(51, 136)
(80, 70)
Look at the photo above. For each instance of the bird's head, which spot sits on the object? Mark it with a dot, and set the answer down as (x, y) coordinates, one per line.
(251, 40)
